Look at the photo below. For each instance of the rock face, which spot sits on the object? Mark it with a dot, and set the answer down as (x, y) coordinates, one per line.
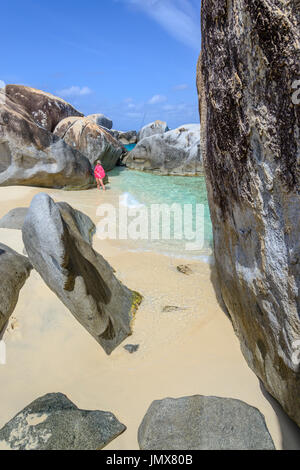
(91, 140)
(14, 270)
(203, 423)
(53, 422)
(175, 152)
(100, 120)
(30, 155)
(156, 127)
(251, 146)
(79, 276)
(45, 109)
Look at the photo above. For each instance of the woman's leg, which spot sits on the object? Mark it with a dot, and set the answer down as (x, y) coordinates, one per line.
(102, 184)
(98, 183)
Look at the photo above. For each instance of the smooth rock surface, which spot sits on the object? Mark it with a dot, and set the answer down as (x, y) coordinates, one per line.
(154, 128)
(53, 422)
(101, 120)
(14, 270)
(203, 423)
(175, 152)
(79, 276)
(45, 109)
(93, 141)
(250, 133)
(32, 156)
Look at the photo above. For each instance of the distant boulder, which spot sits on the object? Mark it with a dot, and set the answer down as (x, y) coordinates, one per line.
(91, 140)
(101, 120)
(203, 423)
(126, 138)
(156, 127)
(175, 152)
(14, 219)
(59, 250)
(45, 109)
(32, 156)
(53, 422)
(14, 270)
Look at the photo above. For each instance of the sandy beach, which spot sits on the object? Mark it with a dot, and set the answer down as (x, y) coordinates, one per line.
(189, 351)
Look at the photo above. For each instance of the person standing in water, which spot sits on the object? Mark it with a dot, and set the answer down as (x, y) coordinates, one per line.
(99, 175)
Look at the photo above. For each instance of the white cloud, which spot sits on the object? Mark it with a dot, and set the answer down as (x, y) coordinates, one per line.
(75, 91)
(180, 18)
(156, 99)
(183, 86)
(2, 84)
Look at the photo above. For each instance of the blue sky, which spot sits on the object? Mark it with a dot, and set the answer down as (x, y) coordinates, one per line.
(133, 60)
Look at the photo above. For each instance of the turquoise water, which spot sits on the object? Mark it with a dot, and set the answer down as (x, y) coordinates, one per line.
(138, 188)
(130, 147)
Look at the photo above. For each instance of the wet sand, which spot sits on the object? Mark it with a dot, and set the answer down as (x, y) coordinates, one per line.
(184, 352)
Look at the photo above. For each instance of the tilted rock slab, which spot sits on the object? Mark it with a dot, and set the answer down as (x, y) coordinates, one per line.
(250, 132)
(79, 276)
(53, 422)
(203, 423)
(45, 109)
(32, 156)
(14, 270)
(93, 141)
(175, 152)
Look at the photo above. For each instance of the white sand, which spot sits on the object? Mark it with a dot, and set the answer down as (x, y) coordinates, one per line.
(193, 351)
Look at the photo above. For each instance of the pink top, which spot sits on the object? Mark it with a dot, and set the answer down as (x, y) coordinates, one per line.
(99, 172)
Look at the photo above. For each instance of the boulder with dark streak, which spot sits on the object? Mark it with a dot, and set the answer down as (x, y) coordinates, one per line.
(58, 249)
(32, 156)
(250, 118)
(45, 109)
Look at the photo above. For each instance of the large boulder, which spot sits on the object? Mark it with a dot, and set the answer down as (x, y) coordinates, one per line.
(175, 152)
(101, 120)
(250, 132)
(203, 423)
(79, 276)
(45, 109)
(14, 270)
(32, 156)
(53, 422)
(93, 141)
(156, 127)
